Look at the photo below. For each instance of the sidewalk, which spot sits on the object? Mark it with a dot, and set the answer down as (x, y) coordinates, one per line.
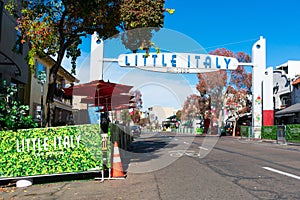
(275, 142)
(86, 189)
(135, 186)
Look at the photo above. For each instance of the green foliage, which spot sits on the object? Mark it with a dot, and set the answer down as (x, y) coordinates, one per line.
(140, 19)
(125, 116)
(139, 14)
(199, 130)
(193, 106)
(60, 158)
(13, 115)
(56, 27)
(269, 132)
(245, 131)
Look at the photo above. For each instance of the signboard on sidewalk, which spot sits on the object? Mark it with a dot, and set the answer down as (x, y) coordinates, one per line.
(44, 151)
(177, 62)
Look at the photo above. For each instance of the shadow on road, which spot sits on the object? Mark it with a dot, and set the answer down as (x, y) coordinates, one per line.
(145, 149)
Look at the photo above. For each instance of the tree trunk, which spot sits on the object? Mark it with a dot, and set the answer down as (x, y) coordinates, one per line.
(233, 129)
(234, 125)
(51, 88)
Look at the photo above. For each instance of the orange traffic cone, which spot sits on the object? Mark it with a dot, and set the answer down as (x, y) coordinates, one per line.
(117, 169)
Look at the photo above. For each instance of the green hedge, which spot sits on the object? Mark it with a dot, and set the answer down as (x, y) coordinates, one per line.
(269, 132)
(55, 150)
(245, 131)
(199, 130)
(293, 133)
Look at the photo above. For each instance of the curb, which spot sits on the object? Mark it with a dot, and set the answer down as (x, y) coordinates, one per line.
(264, 140)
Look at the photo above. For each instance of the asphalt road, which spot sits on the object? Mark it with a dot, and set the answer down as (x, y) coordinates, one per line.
(166, 166)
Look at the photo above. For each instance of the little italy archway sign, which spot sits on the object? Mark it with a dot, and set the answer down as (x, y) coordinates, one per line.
(177, 62)
(262, 78)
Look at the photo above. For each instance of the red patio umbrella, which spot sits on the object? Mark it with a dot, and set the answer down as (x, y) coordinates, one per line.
(100, 88)
(119, 107)
(115, 99)
(105, 94)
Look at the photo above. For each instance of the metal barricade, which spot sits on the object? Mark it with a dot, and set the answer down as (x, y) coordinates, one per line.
(281, 134)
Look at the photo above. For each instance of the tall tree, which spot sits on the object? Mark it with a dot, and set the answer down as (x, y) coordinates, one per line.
(137, 99)
(191, 108)
(178, 115)
(211, 87)
(239, 93)
(138, 103)
(56, 27)
(215, 84)
(239, 86)
(125, 117)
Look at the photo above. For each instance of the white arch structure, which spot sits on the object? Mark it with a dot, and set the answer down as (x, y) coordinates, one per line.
(262, 78)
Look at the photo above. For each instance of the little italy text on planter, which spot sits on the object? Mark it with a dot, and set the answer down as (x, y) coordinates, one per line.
(42, 144)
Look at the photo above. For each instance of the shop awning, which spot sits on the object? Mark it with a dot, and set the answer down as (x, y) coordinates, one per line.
(285, 115)
(289, 111)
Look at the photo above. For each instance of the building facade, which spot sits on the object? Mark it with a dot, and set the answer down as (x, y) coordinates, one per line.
(286, 93)
(62, 101)
(282, 89)
(291, 68)
(159, 113)
(295, 96)
(13, 66)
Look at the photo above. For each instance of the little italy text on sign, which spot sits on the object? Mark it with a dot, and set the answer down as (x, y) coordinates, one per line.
(42, 144)
(178, 62)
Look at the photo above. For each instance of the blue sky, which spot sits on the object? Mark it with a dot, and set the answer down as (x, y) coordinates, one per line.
(202, 26)
(236, 25)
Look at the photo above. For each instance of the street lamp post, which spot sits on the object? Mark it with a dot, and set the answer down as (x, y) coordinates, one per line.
(42, 80)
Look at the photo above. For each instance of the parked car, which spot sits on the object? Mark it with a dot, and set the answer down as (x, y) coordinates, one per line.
(170, 124)
(135, 130)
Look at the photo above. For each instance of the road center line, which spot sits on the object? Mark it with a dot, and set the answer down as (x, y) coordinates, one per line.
(281, 172)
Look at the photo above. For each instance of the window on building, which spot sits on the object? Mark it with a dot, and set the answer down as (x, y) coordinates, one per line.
(18, 46)
(284, 68)
(285, 101)
(20, 95)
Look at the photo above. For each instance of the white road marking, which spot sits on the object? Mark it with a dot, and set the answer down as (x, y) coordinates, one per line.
(186, 143)
(179, 153)
(203, 148)
(281, 172)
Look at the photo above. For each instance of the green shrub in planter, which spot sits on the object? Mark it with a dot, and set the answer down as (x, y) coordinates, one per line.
(293, 133)
(269, 132)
